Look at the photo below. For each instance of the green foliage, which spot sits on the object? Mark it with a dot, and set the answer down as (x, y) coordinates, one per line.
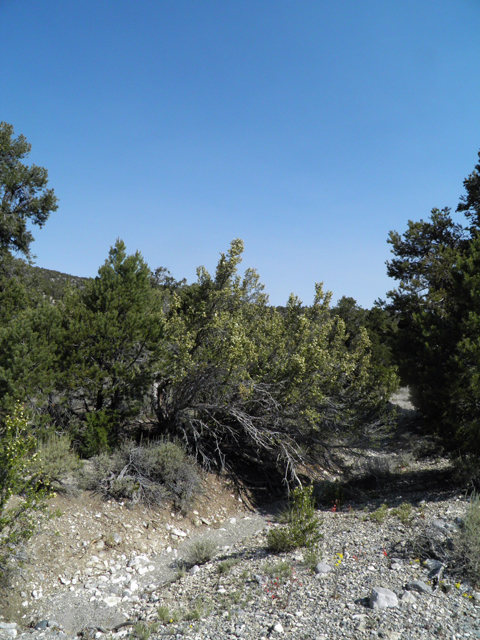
(96, 433)
(113, 332)
(379, 514)
(404, 513)
(303, 524)
(281, 570)
(21, 493)
(243, 383)
(438, 308)
(225, 566)
(23, 195)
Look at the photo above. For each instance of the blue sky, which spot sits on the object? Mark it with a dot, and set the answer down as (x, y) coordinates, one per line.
(309, 129)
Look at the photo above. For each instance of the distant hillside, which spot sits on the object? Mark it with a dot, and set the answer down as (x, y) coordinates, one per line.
(52, 283)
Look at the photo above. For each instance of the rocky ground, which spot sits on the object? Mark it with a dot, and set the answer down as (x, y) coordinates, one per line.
(103, 570)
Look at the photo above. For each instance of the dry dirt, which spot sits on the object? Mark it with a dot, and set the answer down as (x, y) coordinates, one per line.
(86, 526)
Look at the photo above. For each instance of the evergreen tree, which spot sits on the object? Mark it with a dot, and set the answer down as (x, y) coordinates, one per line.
(23, 194)
(113, 331)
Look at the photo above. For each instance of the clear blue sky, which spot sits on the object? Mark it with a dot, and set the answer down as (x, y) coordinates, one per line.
(308, 128)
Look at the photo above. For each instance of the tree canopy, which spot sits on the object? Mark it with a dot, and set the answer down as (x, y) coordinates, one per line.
(23, 194)
(437, 309)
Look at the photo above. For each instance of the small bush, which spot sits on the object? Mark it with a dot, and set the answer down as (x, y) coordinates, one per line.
(167, 616)
(281, 570)
(302, 529)
(404, 513)
(312, 557)
(150, 473)
(202, 551)
(225, 566)
(55, 461)
(380, 514)
(376, 467)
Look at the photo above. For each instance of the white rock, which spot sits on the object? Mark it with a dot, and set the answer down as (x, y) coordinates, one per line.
(322, 567)
(138, 561)
(407, 597)
(133, 586)
(111, 601)
(179, 533)
(380, 598)
(278, 627)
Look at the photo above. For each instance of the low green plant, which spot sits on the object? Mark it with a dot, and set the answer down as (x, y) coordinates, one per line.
(197, 611)
(167, 615)
(302, 528)
(281, 570)
(379, 514)
(181, 570)
(404, 513)
(312, 556)
(202, 551)
(225, 566)
(143, 630)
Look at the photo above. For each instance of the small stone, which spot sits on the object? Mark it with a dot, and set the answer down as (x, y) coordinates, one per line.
(179, 533)
(195, 569)
(100, 545)
(322, 568)
(419, 586)
(407, 597)
(380, 598)
(278, 627)
(42, 625)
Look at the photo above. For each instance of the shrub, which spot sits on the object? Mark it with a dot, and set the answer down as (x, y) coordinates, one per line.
(302, 528)
(404, 513)
(202, 551)
(55, 460)
(225, 566)
(22, 495)
(150, 473)
(379, 514)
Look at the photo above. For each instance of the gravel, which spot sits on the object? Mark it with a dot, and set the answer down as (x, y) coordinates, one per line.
(246, 592)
